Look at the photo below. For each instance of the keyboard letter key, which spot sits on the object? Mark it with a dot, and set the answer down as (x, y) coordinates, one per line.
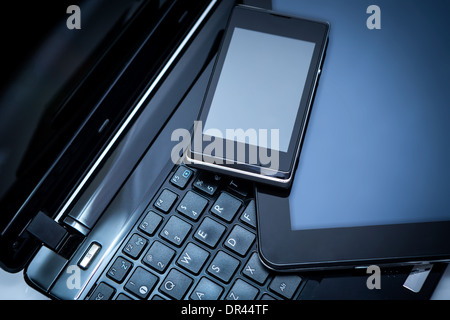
(239, 240)
(226, 206)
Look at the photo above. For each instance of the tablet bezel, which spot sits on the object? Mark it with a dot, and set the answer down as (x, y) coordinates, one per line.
(332, 248)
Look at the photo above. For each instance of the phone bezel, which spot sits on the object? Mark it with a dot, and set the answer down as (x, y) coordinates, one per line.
(268, 22)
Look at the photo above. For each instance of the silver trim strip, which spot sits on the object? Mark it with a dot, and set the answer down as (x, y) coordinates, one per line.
(135, 110)
(225, 169)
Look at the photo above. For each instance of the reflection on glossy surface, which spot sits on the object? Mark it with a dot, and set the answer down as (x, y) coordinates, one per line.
(376, 149)
(32, 114)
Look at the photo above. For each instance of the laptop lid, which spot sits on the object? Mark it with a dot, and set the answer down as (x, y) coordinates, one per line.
(63, 101)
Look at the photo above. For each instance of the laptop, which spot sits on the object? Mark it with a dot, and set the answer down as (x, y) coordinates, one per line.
(94, 208)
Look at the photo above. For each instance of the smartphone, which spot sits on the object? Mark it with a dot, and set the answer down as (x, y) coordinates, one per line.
(255, 109)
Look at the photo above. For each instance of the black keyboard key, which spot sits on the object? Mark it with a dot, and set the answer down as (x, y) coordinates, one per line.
(207, 183)
(123, 297)
(239, 240)
(255, 270)
(209, 232)
(285, 285)
(206, 290)
(134, 246)
(176, 284)
(141, 283)
(158, 256)
(150, 223)
(223, 266)
(226, 206)
(249, 214)
(241, 290)
(192, 205)
(119, 269)
(266, 296)
(193, 258)
(181, 177)
(165, 200)
(175, 230)
(102, 292)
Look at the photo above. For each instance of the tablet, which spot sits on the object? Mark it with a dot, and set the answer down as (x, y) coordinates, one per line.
(372, 184)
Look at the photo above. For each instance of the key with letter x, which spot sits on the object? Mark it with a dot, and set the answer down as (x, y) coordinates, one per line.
(255, 270)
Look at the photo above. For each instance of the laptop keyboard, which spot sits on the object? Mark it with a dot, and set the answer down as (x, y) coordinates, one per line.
(196, 240)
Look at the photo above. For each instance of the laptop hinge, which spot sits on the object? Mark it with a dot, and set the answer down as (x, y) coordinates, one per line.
(47, 230)
(417, 277)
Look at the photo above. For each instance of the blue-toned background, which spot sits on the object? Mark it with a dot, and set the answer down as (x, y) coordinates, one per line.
(377, 148)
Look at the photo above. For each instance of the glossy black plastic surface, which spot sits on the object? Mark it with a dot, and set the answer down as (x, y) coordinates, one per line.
(89, 115)
(130, 175)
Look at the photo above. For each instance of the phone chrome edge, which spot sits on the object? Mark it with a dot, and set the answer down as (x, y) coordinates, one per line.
(252, 176)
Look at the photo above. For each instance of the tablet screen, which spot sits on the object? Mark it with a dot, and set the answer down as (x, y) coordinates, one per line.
(377, 147)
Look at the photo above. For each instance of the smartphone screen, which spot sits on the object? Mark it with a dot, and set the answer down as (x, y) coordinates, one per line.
(272, 73)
